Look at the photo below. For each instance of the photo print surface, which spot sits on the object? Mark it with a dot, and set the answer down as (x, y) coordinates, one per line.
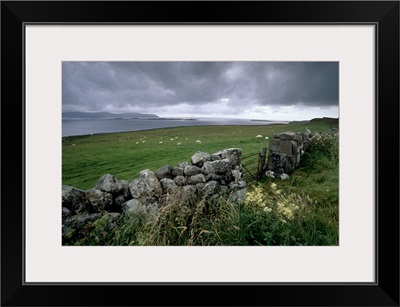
(200, 153)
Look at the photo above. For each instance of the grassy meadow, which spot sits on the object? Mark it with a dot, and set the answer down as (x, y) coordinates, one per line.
(302, 210)
(86, 158)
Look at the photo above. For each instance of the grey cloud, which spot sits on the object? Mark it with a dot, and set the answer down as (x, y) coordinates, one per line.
(95, 86)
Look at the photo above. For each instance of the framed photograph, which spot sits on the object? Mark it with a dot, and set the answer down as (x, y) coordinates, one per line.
(200, 153)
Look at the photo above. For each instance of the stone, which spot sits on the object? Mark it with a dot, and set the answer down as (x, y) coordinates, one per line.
(191, 170)
(270, 174)
(167, 184)
(183, 195)
(233, 154)
(241, 184)
(238, 195)
(177, 171)
(108, 183)
(286, 147)
(134, 206)
(164, 172)
(237, 175)
(183, 164)
(274, 145)
(124, 191)
(217, 167)
(210, 188)
(73, 228)
(180, 180)
(284, 176)
(199, 185)
(65, 212)
(215, 157)
(100, 200)
(72, 198)
(199, 158)
(287, 136)
(146, 186)
(199, 178)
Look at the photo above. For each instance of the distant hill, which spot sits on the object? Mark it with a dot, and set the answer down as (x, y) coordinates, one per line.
(331, 120)
(325, 119)
(105, 115)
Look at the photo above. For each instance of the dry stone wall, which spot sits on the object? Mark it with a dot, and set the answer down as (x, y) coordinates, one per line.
(285, 152)
(205, 177)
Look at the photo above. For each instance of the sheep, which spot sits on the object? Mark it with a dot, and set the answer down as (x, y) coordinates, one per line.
(259, 136)
(198, 142)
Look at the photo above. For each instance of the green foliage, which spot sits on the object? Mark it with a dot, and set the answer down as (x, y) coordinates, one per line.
(326, 144)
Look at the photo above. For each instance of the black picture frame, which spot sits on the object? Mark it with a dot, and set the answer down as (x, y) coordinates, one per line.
(383, 14)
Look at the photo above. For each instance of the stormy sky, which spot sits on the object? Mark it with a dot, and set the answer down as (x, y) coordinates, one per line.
(259, 90)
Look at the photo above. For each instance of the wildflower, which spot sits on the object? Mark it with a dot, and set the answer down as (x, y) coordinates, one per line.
(273, 185)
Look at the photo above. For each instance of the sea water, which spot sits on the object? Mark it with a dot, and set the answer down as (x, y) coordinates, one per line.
(72, 127)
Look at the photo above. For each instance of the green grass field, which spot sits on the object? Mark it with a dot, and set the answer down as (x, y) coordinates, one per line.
(302, 210)
(86, 158)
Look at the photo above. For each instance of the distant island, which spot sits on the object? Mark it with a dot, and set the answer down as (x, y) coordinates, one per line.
(331, 120)
(171, 118)
(107, 115)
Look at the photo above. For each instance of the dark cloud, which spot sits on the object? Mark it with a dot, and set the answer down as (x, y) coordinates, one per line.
(125, 86)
